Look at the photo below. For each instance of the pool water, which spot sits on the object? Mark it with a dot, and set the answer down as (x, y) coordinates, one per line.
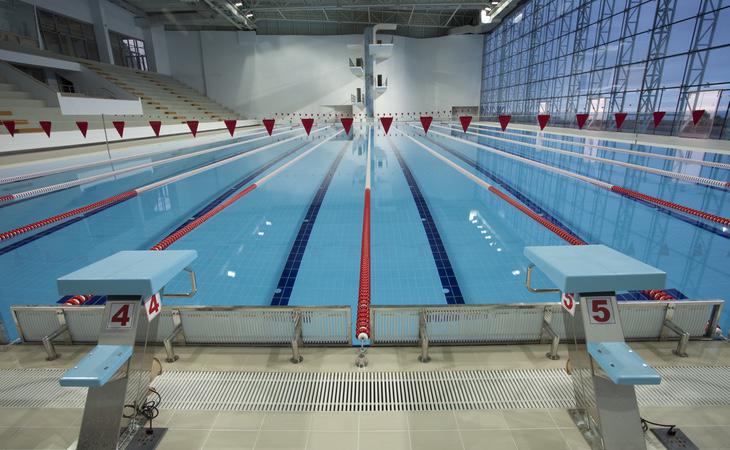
(437, 236)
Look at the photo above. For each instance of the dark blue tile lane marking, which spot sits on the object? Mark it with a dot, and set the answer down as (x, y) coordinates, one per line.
(449, 283)
(291, 269)
(81, 217)
(661, 209)
(507, 187)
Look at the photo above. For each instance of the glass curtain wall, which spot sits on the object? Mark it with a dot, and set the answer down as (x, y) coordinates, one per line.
(602, 57)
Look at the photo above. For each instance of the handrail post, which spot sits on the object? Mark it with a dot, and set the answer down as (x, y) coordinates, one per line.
(423, 337)
(297, 340)
(167, 342)
(47, 341)
(548, 329)
(681, 349)
(669, 324)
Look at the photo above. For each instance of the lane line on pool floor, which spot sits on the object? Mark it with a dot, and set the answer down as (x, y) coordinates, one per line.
(106, 205)
(724, 185)
(291, 268)
(228, 198)
(702, 162)
(123, 196)
(530, 203)
(24, 195)
(565, 235)
(449, 282)
(654, 202)
(32, 175)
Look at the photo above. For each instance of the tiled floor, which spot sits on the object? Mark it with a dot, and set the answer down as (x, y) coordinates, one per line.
(499, 430)
(541, 429)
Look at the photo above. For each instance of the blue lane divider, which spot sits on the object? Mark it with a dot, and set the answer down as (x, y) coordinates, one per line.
(449, 283)
(291, 269)
(507, 187)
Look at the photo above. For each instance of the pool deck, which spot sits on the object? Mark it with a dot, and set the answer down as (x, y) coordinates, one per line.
(547, 429)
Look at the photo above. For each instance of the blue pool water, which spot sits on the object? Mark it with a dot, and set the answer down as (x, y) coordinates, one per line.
(437, 237)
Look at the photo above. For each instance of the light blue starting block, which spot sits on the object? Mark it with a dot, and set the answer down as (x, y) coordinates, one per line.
(127, 278)
(604, 368)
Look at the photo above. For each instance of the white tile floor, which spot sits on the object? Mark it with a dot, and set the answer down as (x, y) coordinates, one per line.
(501, 430)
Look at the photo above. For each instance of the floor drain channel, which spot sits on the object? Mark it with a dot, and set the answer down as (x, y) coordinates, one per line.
(690, 386)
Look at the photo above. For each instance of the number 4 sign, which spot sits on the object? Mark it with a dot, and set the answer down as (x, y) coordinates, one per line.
(152, 306)
(121, 315)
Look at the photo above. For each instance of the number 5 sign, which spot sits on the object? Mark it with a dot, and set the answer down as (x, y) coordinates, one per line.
(600, 310)
(568, 302)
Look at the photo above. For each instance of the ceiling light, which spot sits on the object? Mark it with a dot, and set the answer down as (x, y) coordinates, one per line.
(249, 15)
(238, 4)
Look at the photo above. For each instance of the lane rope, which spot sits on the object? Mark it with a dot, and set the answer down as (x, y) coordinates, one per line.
(661, 172)
(719, 165)
(363, 292)
(43, 173)
(118, 198)
(593, 181)
(81, 181)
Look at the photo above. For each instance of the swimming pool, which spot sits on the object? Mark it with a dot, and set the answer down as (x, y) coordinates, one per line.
(438, 235)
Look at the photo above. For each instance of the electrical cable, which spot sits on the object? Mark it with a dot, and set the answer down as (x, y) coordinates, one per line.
(645, 426)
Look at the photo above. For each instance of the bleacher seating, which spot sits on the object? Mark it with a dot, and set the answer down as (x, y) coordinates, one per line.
(163, 98)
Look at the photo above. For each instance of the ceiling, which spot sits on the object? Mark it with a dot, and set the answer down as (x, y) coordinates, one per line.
(423, 19)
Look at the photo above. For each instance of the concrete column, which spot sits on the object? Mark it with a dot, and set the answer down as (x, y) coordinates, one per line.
(369, 63)
(101, 31)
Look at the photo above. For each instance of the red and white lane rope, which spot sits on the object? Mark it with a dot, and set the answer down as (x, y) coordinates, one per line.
(171, 239)
(665, 173)
(699, 162)
(43, 173)
(363, 292)
(564, 234)
(69, 184)
(595, 182)
(118, 198)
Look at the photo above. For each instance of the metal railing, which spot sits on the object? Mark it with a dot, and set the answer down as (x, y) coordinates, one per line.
(536, 323)
(239, 325)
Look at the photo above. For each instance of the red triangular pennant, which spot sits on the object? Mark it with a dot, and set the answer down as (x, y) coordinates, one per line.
(231, 125)
(465, 121)
(10, 125)
(581, 119)
(119, 125)
(83, 127)
(269, 124)
(543, 119)
(386, 122)
(193, 125)
(504, 121)
(307, 124)
(697, 115)
(156, 125)
(46, 125)
(346, 124)
(620, 117)
(658, 116)
(426, 122)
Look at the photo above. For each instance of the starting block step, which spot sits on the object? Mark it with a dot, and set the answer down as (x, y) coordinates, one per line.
(622, 364)
(97, 367)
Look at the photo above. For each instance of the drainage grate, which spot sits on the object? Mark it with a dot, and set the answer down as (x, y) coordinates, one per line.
(369, 391)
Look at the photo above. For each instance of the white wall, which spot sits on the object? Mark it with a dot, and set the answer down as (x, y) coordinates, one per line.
(261, 75)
